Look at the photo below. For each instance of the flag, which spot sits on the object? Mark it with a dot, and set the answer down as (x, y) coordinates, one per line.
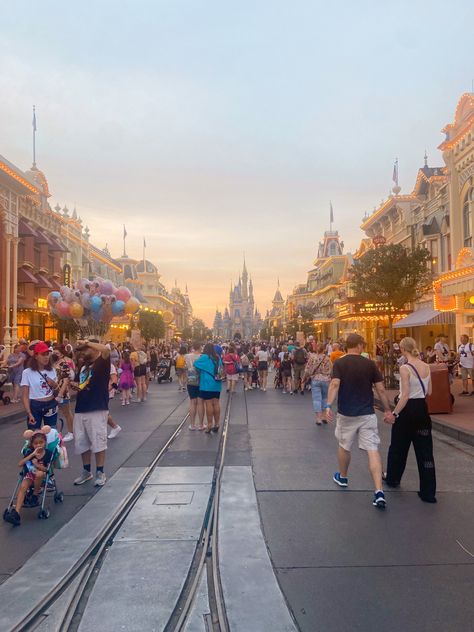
(331, 213)
(124, 231)
(395, 172)
(34, 119)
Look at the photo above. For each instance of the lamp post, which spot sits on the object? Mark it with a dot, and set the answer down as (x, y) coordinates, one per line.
(337, 303)
(300, 333)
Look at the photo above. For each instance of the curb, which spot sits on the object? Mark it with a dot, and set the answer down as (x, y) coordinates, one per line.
(444, 427)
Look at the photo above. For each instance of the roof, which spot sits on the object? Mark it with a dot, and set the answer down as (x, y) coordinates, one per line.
(17, 174)
(426, 316)
(278, 298)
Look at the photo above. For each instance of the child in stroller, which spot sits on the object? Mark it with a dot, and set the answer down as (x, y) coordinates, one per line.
(3, 379)
(42, 448)
(164, 370)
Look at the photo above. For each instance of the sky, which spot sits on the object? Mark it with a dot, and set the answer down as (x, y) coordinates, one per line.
(217, 128)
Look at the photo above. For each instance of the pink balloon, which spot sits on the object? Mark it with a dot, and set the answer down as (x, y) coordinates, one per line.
(107, 287)
(122, 293)
(62, 309)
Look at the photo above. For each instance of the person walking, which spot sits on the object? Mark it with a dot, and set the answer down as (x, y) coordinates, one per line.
(353, 379)
(466, 362)
(412, 424)
(92, 409)
(299, 357)
(196, 404)
(209, 365)
(15, 364)
(336, 352)
(318, 369)
(285, 372)
(262, 357)
(180, 368)
(126, 380)
(231, 365)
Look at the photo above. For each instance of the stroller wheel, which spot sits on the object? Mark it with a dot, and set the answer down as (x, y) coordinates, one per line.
(5, 512)
(43, 514)
(6, 400)
(171, 379)
(58, 497)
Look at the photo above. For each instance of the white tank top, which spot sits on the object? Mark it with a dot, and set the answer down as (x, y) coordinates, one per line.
(416, 391)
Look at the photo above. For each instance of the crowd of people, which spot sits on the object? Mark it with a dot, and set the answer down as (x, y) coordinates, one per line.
(47, 377)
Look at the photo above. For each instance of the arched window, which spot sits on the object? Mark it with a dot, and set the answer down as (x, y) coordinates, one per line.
(467, 218)
(332, 249)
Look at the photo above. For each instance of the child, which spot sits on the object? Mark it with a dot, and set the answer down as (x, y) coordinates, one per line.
(126, 378)
(255, 381)
(285, 370)
(35, 463)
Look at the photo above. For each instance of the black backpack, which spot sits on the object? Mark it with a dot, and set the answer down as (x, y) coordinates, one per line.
(300, 356)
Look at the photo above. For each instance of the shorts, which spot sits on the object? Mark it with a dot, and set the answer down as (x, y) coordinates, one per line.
(90, 431)
(206, 395)
(30, 476)
(43, 411)
(466, 373)
(262, 366)
(363, 426)
(298, 371)
(180, 371)
(193, 391)
(232, 377)
(140, 370)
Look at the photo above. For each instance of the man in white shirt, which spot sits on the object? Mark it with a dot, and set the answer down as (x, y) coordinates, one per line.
(442, 349)
(466, 362)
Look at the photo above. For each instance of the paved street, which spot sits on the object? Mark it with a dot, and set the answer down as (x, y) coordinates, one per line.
(341, 564)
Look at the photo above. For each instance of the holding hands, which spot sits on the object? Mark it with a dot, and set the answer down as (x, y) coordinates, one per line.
(389, 417)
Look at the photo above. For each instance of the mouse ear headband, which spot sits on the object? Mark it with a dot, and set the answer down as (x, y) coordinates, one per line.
(28, 434)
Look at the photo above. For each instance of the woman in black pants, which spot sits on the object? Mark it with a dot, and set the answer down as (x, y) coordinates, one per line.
(412, 424)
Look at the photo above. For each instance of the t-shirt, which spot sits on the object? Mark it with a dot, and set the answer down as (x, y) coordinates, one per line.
(39, 387)
(442, 349)
(94, 392)
(466, 359)
(335, 355)
(357, 375)
(192, 373)
(262, 356)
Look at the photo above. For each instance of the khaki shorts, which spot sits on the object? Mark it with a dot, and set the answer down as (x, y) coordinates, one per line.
(365, 427)
(90, 431)
(466, 373)
(298, 371)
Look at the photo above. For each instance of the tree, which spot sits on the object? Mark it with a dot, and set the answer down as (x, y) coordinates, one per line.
(200, 331)
(392, 276)
(151, 325)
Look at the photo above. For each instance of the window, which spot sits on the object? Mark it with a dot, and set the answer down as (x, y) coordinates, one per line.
(467, 220)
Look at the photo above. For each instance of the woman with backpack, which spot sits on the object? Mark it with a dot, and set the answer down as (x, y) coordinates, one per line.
(139, 360)
(211, 375)
(231, 365)
(196, 405)
(180, 367)
(318, 369)
(262, 357)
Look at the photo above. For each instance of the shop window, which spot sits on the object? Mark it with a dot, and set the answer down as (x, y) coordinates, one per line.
(467, 220)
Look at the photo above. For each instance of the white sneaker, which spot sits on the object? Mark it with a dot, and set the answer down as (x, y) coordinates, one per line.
(100, 479)
(68, 437)
(114, 432)
(83, 478)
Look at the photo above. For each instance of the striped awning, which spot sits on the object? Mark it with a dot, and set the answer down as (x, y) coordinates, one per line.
(426, 316)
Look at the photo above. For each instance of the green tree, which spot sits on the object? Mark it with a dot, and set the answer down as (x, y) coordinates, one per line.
(200, 331)
(151, 325)
(392, 276)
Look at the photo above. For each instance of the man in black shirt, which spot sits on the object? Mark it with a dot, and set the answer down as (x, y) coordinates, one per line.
(92, 409)
(353, 380)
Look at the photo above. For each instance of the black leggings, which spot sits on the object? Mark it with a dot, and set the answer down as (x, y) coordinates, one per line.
(413, 426)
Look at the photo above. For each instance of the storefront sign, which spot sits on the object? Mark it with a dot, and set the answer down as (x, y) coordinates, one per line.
(42, 303)
(440, 302)
(67, 275)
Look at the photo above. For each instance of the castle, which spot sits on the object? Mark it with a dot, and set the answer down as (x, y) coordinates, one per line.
(241, 319)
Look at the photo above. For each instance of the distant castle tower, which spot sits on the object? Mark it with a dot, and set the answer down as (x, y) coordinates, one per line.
(241, 319)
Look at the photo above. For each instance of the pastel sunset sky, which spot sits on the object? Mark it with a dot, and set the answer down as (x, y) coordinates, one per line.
(216, 128)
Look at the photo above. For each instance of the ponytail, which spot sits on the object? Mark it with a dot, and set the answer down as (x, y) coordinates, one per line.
(409, 345)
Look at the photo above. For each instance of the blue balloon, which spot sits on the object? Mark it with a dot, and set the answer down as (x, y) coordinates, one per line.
(118, 308)
(96, 303)
(97, 316)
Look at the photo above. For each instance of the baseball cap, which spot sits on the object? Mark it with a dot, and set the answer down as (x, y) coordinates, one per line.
(41, 347)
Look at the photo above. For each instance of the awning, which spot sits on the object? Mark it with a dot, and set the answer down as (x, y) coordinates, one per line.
(25, 276)
(426, 316)
(57, 245)
(43, 238)
(25, 230)
(43, 282)
(458, 286)
(55, 284)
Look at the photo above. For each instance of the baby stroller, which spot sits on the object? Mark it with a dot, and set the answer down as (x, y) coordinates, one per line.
(277, 380)
(164, 370)
(3, 379)
(59, 460)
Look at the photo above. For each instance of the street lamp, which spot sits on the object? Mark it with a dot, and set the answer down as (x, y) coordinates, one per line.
(336, 304)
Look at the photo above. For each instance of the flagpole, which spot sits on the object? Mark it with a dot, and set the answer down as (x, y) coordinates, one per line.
(34, 137)
(144, 246)
(124, 236)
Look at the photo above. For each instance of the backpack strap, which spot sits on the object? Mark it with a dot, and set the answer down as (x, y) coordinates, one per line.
(418, 376)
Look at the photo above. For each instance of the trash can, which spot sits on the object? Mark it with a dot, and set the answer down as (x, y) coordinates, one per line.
(441, 399)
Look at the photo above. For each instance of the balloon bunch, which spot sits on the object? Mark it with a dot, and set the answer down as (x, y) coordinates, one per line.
(98, 300)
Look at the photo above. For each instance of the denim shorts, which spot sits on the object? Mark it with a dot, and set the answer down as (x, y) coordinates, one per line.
(43, 412)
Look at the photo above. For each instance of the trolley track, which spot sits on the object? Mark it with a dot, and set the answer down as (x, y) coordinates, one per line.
(205, 558)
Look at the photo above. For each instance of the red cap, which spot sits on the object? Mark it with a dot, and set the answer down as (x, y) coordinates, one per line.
(41, 347)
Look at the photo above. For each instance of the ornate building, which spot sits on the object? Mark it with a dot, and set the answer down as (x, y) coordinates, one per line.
(241, 319)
